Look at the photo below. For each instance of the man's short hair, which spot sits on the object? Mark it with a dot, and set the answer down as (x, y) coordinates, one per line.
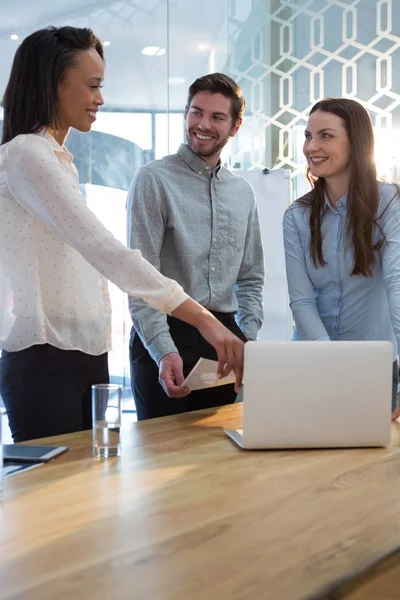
(218, 83)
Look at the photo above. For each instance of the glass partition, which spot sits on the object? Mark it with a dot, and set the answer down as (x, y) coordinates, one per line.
(286, 54)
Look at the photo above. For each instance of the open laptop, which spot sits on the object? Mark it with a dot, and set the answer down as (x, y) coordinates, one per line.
(316, 395)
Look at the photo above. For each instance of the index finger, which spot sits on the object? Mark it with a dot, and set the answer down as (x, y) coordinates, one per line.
(232, 359)
(239, 361)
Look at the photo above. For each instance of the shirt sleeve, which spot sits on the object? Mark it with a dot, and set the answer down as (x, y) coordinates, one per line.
(390, 256)
(40, 185)
(250, 282)
(301, 289)
(146, 230)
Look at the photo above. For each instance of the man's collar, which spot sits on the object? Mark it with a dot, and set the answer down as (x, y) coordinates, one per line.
(195, 163)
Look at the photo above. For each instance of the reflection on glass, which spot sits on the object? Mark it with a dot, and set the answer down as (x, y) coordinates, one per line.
(169, 138)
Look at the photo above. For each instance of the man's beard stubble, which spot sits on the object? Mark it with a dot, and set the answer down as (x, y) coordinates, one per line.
(219, 145)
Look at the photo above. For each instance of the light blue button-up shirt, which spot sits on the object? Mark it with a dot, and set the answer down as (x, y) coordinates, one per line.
(327, 302)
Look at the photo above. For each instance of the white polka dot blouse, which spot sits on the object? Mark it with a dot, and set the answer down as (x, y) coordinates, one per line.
(56, 256)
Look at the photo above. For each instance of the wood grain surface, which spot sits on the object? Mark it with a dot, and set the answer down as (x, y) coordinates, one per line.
(381, 582)
(185, 514)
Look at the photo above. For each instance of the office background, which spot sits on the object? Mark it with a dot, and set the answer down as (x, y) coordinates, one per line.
(286, 54)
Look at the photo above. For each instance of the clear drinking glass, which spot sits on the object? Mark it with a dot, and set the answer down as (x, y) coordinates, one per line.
(107, 410)
(2, 413)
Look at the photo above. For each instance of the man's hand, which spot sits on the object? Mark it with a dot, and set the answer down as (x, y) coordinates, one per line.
(229, 348)
(170, 375)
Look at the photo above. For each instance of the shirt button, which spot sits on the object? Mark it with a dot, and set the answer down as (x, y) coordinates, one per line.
(214, 239)
(200, 172)
(207, 168)
(213, 295)
(212, 268)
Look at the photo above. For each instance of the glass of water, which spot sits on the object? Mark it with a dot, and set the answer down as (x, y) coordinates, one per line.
(107, 410)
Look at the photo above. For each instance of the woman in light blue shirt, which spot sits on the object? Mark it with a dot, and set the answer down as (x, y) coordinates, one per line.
(342, 239)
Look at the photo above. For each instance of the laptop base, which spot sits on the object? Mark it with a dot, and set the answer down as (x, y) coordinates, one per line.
(236, 435)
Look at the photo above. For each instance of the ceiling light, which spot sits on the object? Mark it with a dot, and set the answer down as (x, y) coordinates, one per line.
(176, 80)
(14, 36)
(153, 51)
(105, 44)
(202, 47)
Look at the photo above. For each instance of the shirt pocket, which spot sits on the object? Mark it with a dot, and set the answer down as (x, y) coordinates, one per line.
(236, 231)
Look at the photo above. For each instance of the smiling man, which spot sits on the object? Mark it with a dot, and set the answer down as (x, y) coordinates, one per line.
(198, 223)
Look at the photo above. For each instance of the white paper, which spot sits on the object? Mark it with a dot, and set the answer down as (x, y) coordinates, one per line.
(204, 375)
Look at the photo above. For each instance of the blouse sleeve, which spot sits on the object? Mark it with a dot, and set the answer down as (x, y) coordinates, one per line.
(40, 185)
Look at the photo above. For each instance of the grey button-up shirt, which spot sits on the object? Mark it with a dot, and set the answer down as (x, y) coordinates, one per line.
(199, 226)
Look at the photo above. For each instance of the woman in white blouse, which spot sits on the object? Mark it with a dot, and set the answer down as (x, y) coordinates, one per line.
(55, 255)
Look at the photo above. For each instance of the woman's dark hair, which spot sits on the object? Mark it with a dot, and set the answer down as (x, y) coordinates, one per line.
(218, 83)
(363, 193)
(31, 98)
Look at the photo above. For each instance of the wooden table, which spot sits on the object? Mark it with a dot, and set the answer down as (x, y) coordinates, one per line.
(184, 514)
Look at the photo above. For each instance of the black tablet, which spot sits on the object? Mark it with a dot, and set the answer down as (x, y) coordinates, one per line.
(20, 453)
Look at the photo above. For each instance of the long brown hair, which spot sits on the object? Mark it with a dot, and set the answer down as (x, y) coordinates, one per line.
(363, 193)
